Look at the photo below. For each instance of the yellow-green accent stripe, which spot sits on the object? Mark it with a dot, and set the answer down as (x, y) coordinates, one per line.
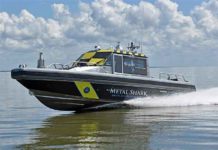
(95, 61)
(86, 89)
(88, 55)
(105, 50)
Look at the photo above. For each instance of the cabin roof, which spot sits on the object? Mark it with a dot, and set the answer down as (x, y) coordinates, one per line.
(99, 57)
(123, 52)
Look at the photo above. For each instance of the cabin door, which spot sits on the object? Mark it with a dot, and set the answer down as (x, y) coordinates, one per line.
(118, 63)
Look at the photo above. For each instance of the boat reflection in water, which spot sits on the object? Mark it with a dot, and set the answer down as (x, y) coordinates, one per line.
(150, 128)
(105, 130)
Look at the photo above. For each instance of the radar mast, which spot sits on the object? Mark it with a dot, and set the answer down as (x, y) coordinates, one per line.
(132, 47)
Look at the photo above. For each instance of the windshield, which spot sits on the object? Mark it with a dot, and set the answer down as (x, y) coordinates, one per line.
(93, 58)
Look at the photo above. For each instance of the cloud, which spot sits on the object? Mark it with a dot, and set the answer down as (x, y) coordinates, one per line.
(169, 36)
(206, 17)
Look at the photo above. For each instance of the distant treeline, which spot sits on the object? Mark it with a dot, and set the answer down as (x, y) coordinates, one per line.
(4, 70)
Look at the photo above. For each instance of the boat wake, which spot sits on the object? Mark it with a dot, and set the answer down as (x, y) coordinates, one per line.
(201, 97)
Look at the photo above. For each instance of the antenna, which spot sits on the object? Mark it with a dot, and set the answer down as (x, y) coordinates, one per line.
(118, 46)
(132, 47)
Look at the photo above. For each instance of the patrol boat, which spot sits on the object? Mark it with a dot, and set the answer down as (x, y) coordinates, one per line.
(97, 78)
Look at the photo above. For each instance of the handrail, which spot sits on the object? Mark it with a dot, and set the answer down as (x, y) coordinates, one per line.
(69, 66)
(55, 65)
(173, 77)
(162, 73)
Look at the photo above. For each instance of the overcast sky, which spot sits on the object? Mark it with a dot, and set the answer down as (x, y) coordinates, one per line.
(173, 32)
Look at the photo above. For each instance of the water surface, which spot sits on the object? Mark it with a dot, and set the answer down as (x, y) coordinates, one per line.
(187, 121)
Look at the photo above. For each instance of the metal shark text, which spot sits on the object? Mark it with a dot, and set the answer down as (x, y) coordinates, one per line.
(127, 92)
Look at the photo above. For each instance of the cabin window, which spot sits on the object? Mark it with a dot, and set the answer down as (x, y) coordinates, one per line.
(82, 63)
(102, 55)
(109, 61)
(134, 65)
(140, 66)
(118, 61)
(140, 63)
(128, 65)
(93, 58)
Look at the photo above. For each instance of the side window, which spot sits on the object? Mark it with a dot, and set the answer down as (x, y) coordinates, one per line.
(128, 65)
(140, 66)
(118, 63)
(140, 63)
(133, 65)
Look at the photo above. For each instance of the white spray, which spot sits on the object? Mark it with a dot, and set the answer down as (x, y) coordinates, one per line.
(201, 97)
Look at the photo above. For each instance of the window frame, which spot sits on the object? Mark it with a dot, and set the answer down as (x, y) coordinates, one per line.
(113, 64)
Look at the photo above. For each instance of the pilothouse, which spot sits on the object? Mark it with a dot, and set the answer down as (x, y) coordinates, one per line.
(115, 61)
(98, 77)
